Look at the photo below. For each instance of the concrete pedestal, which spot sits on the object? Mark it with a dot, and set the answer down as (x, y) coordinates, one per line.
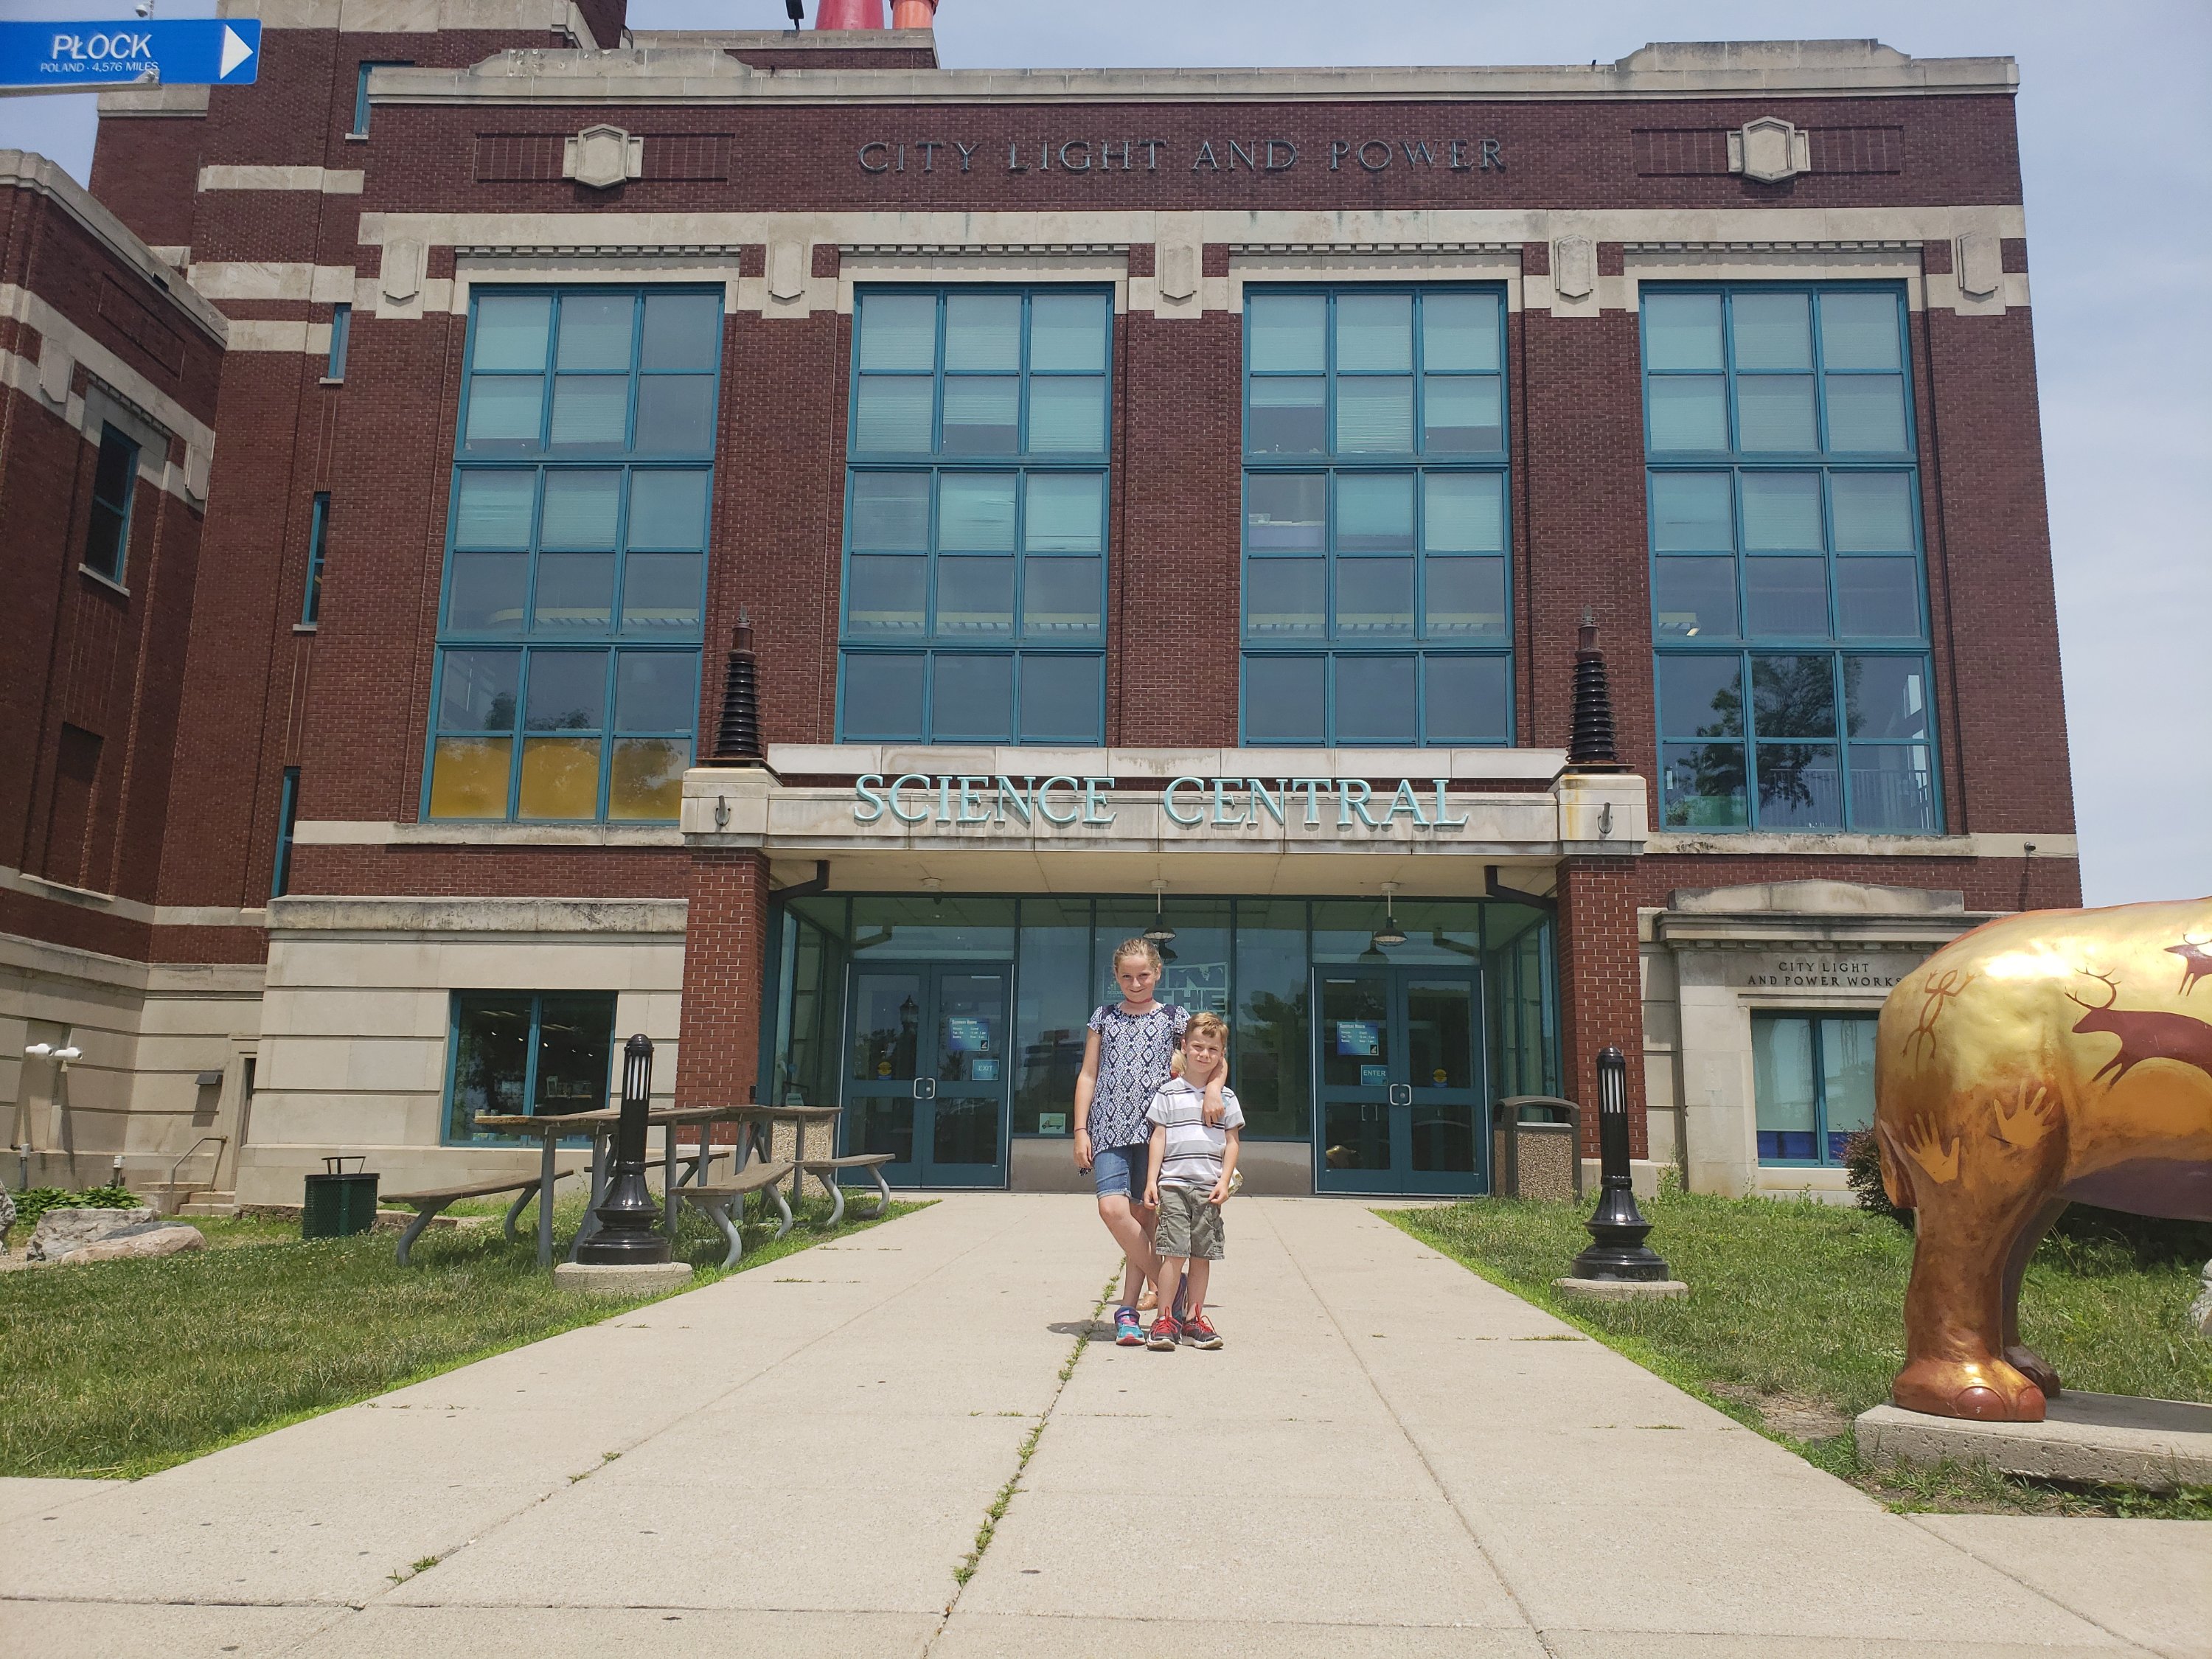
(1621, 1289)
(621, 1279)
(2156, 1444)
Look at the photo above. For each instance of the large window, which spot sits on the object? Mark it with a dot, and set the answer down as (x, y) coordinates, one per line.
(1790, 601)
(1377, 600)
(1814, 1080)
(517, 1053)
(108, 538)
(975, 517)
(569, 637)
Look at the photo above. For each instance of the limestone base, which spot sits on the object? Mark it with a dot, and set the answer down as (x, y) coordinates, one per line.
(621, 1279)
(1621, 1289)
(2156, 1444)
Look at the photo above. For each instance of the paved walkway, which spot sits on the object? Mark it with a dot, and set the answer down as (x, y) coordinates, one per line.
(1390, 1457)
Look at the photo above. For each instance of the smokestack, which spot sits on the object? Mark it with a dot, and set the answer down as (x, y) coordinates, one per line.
(913, 13)
(849, 15)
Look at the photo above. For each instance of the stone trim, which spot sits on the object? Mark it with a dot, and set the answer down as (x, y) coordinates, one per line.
(331, 181)
(1135, 766)
(540, 919)
(130, 910)
(339, 832)
(22, 170)
(1989, 846)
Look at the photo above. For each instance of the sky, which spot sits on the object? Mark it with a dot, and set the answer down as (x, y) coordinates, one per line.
(2115, 114)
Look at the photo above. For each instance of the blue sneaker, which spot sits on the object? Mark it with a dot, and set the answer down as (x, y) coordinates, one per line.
(1128, 1330)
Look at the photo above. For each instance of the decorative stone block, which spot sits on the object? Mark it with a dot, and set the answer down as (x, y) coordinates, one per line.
(1980, 264)
(788, 258)
(602, 157)
(623, 1278)
(1574, 267)
(1769, 150)
(405, 260)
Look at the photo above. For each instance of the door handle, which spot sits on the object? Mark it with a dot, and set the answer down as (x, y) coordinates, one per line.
(1402, 1094)
(924, 1088)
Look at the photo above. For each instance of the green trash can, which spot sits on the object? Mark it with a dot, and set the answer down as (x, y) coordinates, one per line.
(339, 1200)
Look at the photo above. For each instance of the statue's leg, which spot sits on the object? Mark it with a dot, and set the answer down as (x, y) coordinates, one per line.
(2021, 1358)
(1954, 1324)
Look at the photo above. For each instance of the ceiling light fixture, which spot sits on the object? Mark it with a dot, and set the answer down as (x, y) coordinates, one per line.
(1159, 932)
(1390, 932)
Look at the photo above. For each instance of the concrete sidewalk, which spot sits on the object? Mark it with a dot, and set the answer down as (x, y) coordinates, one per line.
(1390, 1457)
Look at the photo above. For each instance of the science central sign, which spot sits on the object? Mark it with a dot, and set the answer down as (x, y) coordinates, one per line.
(1064, 802)
(1435, 153)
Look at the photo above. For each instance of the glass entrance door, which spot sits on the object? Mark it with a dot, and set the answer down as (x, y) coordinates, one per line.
(927, 1072)
(1403, 1107)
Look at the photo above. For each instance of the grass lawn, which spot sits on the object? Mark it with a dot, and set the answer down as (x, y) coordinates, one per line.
(1794, 1325)
(118, 1369)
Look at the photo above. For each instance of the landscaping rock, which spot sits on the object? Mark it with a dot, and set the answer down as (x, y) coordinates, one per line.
(153, 1238)
(61, 1232)
(6, 1219)
(2200, 1311)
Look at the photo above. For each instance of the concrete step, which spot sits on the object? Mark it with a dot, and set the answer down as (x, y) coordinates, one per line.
(210, 1203)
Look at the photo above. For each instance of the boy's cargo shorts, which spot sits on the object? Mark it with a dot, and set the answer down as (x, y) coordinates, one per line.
(1189, 1226)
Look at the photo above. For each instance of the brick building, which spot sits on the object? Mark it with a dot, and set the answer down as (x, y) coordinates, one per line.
(1159, 500)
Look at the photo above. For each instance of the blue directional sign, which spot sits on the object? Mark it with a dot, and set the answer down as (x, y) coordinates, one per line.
(66, 56)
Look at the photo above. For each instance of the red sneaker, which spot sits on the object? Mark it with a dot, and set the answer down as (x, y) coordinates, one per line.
(1199, 1331)
(1164, 1332)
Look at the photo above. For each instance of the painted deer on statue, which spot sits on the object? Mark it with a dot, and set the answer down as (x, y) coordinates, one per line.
(2043, 1059)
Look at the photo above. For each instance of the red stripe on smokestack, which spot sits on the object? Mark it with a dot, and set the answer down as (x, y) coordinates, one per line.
(849, 15)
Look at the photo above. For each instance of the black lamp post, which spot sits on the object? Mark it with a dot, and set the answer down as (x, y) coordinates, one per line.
(626, 1235)
(1618, 1230)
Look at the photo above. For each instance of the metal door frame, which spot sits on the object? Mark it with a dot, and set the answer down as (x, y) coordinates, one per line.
(1399, 1180)
(927, 1060)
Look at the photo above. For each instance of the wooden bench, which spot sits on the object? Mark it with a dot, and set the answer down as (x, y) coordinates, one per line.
(427, 1205)
(725, 1202)
(826, 1170)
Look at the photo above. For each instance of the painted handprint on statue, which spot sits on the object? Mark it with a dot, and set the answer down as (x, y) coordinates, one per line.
(2026, 1119)
(1923, 1142)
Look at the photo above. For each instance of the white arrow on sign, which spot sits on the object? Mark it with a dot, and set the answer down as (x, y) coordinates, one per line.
(234, 51)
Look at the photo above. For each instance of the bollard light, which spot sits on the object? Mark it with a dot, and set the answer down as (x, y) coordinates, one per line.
(1618, 1229)
(626, 1235)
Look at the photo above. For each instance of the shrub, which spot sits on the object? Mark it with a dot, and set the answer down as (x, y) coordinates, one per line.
(1863, 1170)
(34, 1202)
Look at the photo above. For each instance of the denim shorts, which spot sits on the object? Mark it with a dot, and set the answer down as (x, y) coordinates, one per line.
(1121, 1170)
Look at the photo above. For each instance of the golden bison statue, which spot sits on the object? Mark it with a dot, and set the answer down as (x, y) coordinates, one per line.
(2052, 1057)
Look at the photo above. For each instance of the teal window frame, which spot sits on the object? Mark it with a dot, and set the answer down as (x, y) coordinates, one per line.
(1431, 653)
(318, 530)
(510, 651)
(1829, 1144)
(287, 813)
(935, 654)
(114, 485)
(457, 1005)
(334, 367)
(1737, 589)
(360, 110)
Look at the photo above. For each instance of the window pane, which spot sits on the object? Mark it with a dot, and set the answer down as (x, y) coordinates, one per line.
(1053, 1002)
(1060, 597)
(975, 599)
(1782, 1081)
(1286, 599)
(1068, 331)
(983, 331)
(660, 591)
(1786, 599)
(1467, 699)
(882, 695)
(1893, 787)
(1286, 331)
(1688, 413)
(976, 512)
(1066, 513)
(580, 509)
(1878, 598)
(1060, 700)
(1703, 786)
(682, 330)
(1375, 416)
(484, 592)
(1374, 600)
(1695, 598)
(898, 331)
(676, 415)
(114, 469)
(893, 416)
(1860, 330)
(1682, 330)
(503, 411)
(1772, 331)
(510, 331)
(1283, 699)
(1866, 413)
(1690, 512)
(1067, 415)
(567, 690)
(1375, 700)
(1873, 512)
(645, 780)
(1464, 512)
(1701, 696)
(1273, 1059)
(590, 411)
(1374, 331)
(476, 690)
(575, 590)
(1463, 414)
(469, 777)
(1799, 787)
(887, 596)
(656, 691)
(1465, 598)
(1793, 696)
(981, 414)
(1847, 1080)
(891, 512)
(1374, 512)
(595, 331)
(1782, 512)
(668, 510)
(1460, 331)
(1886, 697)
(492, 509)
(1286, 513)
(491, 1056)
(560, 778)
(973, 698)
(1774, 414)
(1288, 417)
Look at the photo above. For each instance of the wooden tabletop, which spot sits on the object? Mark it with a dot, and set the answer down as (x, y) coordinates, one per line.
(569, 1123)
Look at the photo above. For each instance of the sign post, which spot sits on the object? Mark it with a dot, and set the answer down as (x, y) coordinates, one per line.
(82, 56)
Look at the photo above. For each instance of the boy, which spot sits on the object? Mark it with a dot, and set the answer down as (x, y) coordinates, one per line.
(1191, 1166)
